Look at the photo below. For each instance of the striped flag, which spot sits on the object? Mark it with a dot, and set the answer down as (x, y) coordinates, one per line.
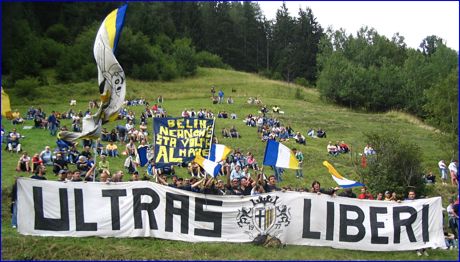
(218, 152)
(339, 179)
(209, 166)
(279, 155)
(111, 78)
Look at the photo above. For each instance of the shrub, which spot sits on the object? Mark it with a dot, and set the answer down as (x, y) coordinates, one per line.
(301, 81)
(206, 59)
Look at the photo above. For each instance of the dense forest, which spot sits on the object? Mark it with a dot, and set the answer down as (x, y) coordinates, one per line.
(166, 40)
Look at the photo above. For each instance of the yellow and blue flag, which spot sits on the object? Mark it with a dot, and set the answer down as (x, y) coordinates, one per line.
(279, 155)
(218, 152)
(339, 179)
(209, 166)
(111, 78)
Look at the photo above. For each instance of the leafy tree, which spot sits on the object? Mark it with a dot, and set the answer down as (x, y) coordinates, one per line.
(184, 57)
(396, 166)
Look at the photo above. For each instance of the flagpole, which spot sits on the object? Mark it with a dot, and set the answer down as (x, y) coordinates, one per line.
(212, 134)
(95, 162)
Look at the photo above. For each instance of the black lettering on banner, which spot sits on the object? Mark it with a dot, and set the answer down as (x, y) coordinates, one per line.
(425, 233)
(345, 222)
(52, 224)
(114, 195)
(306, 233)
(330, 221)
(149, 207)
(375, 225)
(81, 225)
(182, 212)
(398, 223)
(208, 216)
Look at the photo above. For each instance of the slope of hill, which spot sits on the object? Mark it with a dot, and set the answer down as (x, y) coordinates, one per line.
(302, 108)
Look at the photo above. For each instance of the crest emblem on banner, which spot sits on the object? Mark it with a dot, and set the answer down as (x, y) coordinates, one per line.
(265, 216)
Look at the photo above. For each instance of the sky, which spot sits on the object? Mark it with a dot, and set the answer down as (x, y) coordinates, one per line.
(414, 20)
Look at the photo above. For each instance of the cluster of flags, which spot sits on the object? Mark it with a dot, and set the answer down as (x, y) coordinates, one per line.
(112, 89)
(276, 154)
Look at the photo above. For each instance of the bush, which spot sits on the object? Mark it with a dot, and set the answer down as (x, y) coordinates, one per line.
(27, 88)
(396, 166)
(206, 59)
(301, 81)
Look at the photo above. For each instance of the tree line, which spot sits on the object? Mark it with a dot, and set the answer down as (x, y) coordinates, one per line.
(166, 40)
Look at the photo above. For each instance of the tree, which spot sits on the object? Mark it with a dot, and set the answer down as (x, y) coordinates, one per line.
(430, 44)
(396, 166)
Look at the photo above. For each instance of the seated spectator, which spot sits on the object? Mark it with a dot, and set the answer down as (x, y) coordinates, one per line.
(194, 169)
(225, 132)
(36, 161)
(368, 150)
(233, 116)
(276, 109)
(72, 155)
(230, 100)
(332, 149)
(234, 133)
(250, 101)
(365, 194)
(24, 163)
(430, 178)
(252, 163)
(59, 164)
(47, 156)
(17, 119)
(215, 99)
(105, 134)
(300, 139)
(83, 165)
(320, 133)
(13, 144)
(343, 148)
(112, 149)
(73, 102)
(103, 164)
(284, 136)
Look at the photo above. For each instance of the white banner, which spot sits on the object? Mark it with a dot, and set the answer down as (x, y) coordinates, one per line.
(146, 209)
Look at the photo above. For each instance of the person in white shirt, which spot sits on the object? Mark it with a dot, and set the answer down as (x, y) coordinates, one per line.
(443, 169)
(453, 172)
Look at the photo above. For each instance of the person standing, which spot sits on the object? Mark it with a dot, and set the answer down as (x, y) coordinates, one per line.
(443, 169)
(411, 197)
(299, 156)
(453, 172)
(221, 96)
(53, 123)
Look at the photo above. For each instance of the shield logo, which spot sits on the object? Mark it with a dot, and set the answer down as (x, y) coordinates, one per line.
(264, 216)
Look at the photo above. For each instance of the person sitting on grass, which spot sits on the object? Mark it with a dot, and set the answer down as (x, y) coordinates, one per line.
(234, 133)
(343, 148)
(332, 149)
(320, 133)
(24, 163)
(300, 139)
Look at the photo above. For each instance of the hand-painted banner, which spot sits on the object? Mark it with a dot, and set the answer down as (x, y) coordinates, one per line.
(146, 209)
(111, 78)
(178, 140)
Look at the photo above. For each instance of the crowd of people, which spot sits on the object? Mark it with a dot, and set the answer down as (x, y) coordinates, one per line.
(241, 174)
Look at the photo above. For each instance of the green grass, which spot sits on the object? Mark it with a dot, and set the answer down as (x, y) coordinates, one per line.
(309, 111)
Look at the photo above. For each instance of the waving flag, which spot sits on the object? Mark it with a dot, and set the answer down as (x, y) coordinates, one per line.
(6, 108)
(279, 155)
(340, 180)
(218, 152)
(111, 77)
(209, 166)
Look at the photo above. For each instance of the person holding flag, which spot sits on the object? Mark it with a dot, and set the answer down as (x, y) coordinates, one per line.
(279, 156)
(299, 157)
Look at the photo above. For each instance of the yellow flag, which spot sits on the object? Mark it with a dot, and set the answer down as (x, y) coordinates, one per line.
(6, 108)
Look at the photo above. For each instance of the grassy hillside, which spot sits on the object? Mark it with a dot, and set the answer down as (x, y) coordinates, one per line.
(303, 109)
